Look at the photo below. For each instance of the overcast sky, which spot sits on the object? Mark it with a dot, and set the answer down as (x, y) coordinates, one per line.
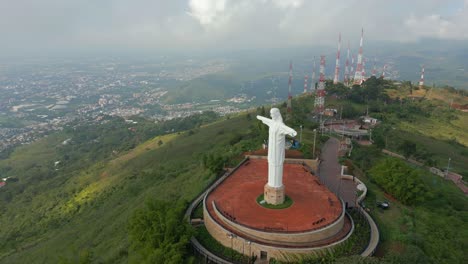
(33, 26)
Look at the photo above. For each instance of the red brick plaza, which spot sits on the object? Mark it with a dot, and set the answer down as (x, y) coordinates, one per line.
(314, 206)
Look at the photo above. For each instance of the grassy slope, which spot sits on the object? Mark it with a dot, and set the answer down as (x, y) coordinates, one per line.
(441, 150)
(448, 130)
(438, 226)
(441, 129)
(444, 137)
(203, 89)
(92, 222)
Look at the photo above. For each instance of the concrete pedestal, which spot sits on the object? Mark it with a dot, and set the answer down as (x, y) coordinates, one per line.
(273, 195)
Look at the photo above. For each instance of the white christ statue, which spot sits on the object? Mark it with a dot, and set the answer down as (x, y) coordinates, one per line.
(276, 144)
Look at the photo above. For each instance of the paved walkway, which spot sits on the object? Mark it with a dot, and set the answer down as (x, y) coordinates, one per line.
(330, 171)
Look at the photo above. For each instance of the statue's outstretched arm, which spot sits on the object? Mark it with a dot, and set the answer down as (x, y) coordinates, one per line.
(288, 131)
(265, 120)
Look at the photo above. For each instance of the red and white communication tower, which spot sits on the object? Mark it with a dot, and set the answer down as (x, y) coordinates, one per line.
(320, 97)
(289, 86)
(337, 65)
(374, 70)
(346, 70)
(358, 78)
(306, 83)
(383, 71)
(363, 74)
(312, 79)
(421, 81)
(352, 70)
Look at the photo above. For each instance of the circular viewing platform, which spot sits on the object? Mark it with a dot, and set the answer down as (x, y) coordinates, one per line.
(315, 220)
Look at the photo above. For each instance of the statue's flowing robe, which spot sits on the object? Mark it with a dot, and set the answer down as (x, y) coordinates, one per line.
(276, 145)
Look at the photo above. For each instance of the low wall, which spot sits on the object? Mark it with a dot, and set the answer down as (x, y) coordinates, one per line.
(374, 233)
(249, 247)
(286, 238)
(311, 163)
(360, 185)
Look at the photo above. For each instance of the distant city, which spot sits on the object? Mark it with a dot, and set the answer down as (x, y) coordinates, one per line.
(37, 99)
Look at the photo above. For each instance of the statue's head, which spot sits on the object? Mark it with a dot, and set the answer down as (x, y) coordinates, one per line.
(276, 114)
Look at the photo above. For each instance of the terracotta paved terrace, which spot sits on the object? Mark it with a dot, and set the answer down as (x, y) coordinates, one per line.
(314, 206)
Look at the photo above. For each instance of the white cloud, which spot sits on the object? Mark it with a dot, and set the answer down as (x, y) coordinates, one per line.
(288, 3)
(438, 26)
(207, 11)
(182, 24)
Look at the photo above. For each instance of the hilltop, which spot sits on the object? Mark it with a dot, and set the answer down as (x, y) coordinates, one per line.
(81, 207)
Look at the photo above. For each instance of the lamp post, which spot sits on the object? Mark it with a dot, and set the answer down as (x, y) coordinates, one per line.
(243, 244)
(313, 150)
(231, 236)
(300, 136)
(448, 167)
(342, 129)
(250, 250)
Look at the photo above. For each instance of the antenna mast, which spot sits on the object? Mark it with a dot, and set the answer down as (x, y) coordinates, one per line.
(312, 79)
(421, 81)
(289, 86)
(358, 78)
(337, 67)
(346, 71)
(383, 71)
(374, 70)
(306, 82)
(320, 97)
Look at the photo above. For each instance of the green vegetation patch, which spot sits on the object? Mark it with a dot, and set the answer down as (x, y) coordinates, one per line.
(400, 180)
(198, 212)
(95, 182)
(159, 233)
(216, 248)
(354, 245)
(287, 203)
(432, 230)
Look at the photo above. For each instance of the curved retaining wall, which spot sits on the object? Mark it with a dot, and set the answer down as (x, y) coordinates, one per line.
(285, 238)
(247, 247)
(374, 233)
(250, 248)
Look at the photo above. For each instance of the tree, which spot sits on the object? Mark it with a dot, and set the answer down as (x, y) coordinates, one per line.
(159, 233)
(400, 180)
(214, 162)
(408, 148)
(349, 111)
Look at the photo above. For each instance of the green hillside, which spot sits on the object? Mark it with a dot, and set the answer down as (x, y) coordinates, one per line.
(51, 215)
(203, 89)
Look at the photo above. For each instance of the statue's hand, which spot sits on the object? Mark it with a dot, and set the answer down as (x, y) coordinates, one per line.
(265, 120)
(293, 133)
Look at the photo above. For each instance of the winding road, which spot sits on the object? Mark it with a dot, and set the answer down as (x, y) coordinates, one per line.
(330, 171)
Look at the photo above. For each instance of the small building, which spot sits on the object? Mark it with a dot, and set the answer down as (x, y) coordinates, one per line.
(330, 112)
(370, 120)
